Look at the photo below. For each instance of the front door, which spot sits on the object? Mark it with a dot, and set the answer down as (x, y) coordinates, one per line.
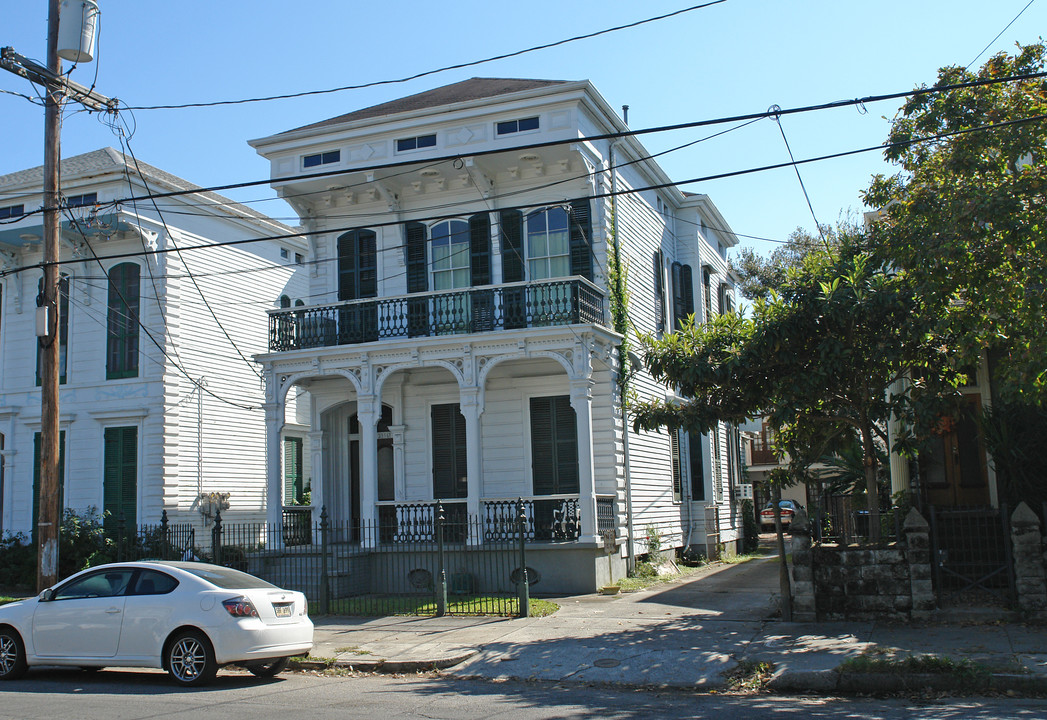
(386, 478)
(954, 470)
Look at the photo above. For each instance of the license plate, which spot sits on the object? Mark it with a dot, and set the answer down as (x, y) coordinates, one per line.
(282, 610)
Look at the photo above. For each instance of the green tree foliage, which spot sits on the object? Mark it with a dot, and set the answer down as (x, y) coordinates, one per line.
(966, 216)
(819, 359)
(759, 275)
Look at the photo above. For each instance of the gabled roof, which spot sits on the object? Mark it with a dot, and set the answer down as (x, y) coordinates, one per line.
(109, 161)
(464, 91)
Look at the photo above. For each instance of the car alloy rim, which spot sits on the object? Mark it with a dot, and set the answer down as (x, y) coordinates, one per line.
(187, 658)
(8, 653)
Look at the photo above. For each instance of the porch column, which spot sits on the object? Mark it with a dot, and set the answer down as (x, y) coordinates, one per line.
(899, 466)
(274, 423)
(582, 402)
(367, 412)
(317, 483)
(471, 405)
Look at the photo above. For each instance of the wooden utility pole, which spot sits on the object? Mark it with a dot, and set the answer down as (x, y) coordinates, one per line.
(57, 88)
(47, 525)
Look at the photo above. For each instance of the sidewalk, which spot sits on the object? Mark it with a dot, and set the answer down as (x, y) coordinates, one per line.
(688, 635)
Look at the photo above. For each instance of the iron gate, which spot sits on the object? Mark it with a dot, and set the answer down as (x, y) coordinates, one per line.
(971, 558)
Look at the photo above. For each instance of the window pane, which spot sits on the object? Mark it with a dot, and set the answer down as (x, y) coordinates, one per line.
(528, 124)
(427, 141)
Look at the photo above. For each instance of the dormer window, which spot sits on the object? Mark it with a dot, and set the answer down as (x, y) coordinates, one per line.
(325, 158)
(12, 211)
(81, 200)
(509, 127)
(415, 143)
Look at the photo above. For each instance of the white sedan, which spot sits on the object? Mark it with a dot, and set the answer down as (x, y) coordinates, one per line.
(185, 617)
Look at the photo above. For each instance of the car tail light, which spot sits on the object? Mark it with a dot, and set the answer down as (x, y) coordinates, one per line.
(239, 607)
(305, 606)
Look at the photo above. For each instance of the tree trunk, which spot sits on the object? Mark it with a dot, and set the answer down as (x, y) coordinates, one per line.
(785, 586)
(871, 487)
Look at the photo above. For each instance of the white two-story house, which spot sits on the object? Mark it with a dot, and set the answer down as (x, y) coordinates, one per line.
(476, 247)
(163, 302)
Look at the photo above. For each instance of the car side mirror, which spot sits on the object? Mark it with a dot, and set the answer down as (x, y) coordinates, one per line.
(47, 595)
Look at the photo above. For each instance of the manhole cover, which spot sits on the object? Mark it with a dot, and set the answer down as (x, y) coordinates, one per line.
(607, 663)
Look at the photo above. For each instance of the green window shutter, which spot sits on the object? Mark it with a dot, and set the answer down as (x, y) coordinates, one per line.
(694, 449)
(357, 265)
(120, 484)
(449, 452)
(581, 228)
(292, 470)
(659, 292)
(417, 267)
(123, 321)
(554, 445)
(36, 479)
(510, 223)
(674, 450)
(480, 249)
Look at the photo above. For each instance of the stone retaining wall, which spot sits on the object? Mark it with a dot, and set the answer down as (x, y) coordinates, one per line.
(833, 582)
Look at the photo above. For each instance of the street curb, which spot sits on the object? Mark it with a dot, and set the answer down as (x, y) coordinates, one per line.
(820, 681)
(382, 666)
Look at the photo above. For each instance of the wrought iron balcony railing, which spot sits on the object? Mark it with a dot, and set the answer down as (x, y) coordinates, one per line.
(485, 309)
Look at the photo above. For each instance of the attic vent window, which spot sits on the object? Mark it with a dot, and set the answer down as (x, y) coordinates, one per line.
(324, 158)
(415, 143)
(81, 200)
(12, 211)
(515, 126)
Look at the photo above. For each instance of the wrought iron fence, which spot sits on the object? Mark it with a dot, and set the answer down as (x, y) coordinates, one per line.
(421, 559)
(563, 302)
(837, 519)
(971, 556)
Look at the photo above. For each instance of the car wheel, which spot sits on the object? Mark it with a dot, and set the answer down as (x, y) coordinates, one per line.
(190, 659)
(12, 654)
(267, 668)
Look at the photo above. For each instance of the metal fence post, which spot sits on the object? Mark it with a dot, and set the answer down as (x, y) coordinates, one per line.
(165, 536)
(441, 577)
(216, 538)
(325, 588)
(525, 583)
(121, 532)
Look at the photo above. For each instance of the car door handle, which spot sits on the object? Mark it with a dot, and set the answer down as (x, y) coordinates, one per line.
(112, 610)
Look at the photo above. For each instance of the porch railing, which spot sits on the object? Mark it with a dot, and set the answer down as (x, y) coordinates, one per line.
(485, 309)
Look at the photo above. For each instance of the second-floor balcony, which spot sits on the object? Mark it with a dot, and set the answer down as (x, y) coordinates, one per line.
(475, 310)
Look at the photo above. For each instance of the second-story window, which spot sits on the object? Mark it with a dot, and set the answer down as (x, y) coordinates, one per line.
(123, 322)
(508, 127)
(357, 265)
(450, 246)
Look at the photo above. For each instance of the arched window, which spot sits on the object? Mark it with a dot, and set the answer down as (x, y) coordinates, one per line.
(285, 302)
(123, 322)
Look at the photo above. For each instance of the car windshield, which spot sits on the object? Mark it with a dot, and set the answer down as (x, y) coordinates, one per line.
(225, 578)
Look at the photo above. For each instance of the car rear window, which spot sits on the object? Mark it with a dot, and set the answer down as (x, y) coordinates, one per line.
(226, 578)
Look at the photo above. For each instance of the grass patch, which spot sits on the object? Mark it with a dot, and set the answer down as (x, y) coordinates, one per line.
(965, 669)
(477, 605)
(4, 599)
(749, 676)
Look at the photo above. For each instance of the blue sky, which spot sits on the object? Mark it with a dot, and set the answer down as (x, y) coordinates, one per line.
(737, 57)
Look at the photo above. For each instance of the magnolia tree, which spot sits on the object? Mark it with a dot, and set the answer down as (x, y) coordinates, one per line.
(966, 216)
(819, 358)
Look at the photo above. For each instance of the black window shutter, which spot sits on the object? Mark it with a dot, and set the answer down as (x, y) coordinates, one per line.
(674, 450)
(694, 449)
(659, 292)
(347, 288)
(581, 239)
(687, 284)
(480, 248)
(677, 281)
(449, 452)
(514, 307)
(554, 446)
(511, 229)
(417, 268)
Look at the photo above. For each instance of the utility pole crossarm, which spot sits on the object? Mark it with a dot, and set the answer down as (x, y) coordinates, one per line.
(33, 72)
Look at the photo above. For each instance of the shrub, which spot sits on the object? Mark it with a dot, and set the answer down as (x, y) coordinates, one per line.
(750, 528)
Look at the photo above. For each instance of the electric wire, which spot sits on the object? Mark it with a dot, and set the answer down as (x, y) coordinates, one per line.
(658, 186)
(778, 121)
(1014, 20)
(427, 73)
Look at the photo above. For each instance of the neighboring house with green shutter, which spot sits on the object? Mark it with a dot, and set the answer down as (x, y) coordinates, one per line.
(156, 405)
(458, 343)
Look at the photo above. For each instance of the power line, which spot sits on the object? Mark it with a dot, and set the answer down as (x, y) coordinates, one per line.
(459, 66)
(659, 186)
(1014, 20)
